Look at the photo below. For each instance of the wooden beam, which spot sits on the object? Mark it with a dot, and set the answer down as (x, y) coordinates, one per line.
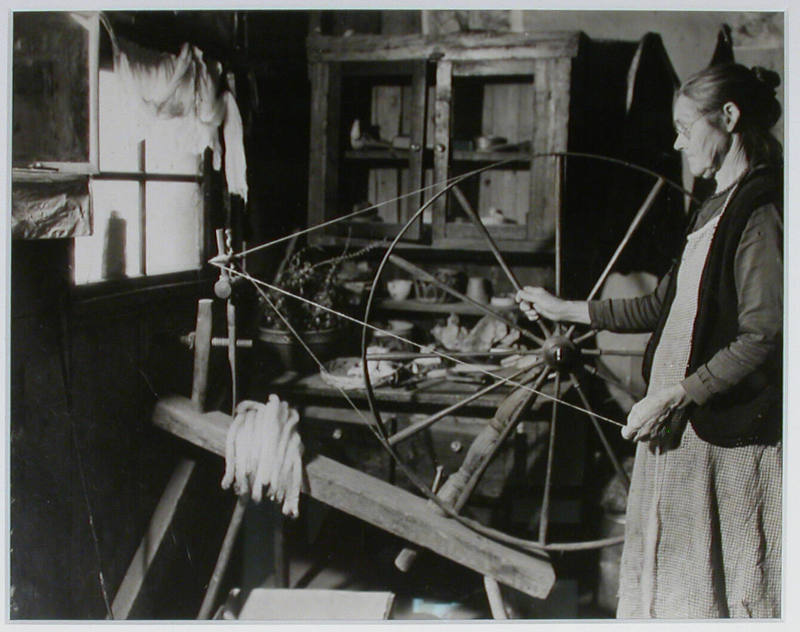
(134, 578)
(451, 46)
(379, 503)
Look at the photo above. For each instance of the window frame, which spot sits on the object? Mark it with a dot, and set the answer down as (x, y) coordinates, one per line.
(112, 289)
(91, 22)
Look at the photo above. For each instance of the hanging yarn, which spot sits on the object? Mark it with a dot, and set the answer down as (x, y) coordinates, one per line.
(264, 453)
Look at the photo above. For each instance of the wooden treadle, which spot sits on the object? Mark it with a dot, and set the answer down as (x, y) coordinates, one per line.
(379, 503)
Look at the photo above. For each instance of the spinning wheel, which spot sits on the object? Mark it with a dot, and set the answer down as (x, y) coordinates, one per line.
(561, 360)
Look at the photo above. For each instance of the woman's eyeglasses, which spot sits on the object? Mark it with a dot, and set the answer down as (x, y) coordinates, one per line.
(685, 130)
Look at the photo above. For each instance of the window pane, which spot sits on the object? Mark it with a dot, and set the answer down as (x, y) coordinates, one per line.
(112, 252)
(118, 145)
(169, 147)
(172, 144)
(173, 214)
(174, 223)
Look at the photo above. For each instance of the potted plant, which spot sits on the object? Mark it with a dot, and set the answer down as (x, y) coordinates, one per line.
(309, 275)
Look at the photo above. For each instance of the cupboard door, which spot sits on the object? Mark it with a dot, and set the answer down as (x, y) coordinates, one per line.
(500, 114)
(368, 147)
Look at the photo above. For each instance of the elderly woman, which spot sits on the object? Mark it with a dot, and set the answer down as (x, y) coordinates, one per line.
(703, 524)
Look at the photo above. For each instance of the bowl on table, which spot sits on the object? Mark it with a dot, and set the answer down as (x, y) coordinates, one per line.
(399, 289)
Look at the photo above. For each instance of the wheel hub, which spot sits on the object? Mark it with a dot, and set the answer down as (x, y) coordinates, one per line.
(560, 352)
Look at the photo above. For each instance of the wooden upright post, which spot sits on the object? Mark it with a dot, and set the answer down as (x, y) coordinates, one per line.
(202, 350)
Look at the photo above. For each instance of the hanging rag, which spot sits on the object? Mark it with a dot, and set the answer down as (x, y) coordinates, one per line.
(188, 92)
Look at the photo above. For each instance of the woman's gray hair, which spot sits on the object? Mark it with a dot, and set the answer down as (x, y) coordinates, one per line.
(753, 92)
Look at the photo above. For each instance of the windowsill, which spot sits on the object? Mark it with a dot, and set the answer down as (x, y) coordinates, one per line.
(125, 294)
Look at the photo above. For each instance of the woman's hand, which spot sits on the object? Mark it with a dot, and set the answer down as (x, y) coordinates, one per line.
(648, 416)
(535, 301)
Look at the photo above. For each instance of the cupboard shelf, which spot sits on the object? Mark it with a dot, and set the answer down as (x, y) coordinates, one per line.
(425, 307)
(492, 156)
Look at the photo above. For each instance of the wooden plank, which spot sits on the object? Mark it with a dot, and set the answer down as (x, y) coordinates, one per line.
(538, 245)
(526, 130)
(491, 156)
(316, 604)
(430, 120)
(452, 47)
(383, 182)
(381, 504)
(508, 232)
(396, 69)
(441, 150)
(493, 109)
(427, 214)
(349, 416)
(318, 146)
(419, 94)
(552, 109)
(151, 542)
(531, 244)
(323, 144)
(312, 386)
(483, 68)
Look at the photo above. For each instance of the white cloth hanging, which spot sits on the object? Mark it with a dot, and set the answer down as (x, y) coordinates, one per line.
(184, 89)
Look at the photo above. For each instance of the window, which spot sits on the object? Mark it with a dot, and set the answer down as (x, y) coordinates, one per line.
(147, 198)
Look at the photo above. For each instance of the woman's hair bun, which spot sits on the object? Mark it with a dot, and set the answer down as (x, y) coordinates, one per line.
(769, 78)
(767, 110)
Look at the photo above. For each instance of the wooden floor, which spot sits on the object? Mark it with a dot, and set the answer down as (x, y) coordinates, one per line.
(328, 549)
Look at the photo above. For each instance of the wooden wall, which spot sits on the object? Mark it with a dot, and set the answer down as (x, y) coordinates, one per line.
(83, 382)
(85, 375)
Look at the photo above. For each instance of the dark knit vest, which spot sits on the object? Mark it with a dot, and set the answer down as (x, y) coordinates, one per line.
(751, 411)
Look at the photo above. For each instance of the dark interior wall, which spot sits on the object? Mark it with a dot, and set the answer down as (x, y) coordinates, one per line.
(85, 374)
(84, 379)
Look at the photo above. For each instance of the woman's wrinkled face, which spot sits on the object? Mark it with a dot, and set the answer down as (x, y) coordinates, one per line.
(701, 139)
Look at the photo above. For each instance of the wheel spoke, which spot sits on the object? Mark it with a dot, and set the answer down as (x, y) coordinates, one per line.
(583, 337)
(612, 457)
(476, 220)
(432, 419)
(637, 219)
(610, 380)
(419, 273)
(544, 514)
(640, 214)
(613, 352)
